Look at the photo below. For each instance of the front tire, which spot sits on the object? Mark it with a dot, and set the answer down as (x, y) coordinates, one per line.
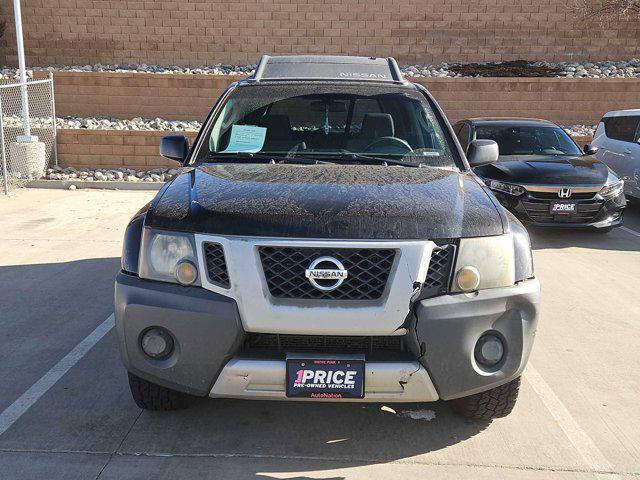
(495, 403)
(151, 396)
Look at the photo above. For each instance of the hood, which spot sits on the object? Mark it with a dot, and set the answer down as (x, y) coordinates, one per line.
(326, 201)
(541, 169)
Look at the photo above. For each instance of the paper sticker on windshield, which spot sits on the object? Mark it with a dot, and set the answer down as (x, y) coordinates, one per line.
(246, 138)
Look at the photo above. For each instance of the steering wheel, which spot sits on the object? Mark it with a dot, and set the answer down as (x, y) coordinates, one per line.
(388, 145)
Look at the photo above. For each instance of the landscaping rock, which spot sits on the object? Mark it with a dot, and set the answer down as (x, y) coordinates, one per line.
(517, 68)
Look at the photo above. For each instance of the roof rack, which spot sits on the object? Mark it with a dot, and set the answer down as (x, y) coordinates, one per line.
(327, 67)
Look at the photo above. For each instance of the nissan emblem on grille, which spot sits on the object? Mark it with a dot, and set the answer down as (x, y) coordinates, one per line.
(564, 192)
(326, 279)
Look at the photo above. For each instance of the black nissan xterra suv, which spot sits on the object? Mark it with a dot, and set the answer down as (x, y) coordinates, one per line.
(326, 240)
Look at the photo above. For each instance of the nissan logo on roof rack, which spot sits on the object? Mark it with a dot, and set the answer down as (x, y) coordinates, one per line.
(362, 75)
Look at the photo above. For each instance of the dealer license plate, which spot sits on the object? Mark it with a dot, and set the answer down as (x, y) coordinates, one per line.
(325, 378)
(563, 208)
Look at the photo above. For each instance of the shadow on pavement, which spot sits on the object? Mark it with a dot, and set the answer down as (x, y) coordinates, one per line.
(549, 238)
(351, 434)
(51, 307)
(45, 311)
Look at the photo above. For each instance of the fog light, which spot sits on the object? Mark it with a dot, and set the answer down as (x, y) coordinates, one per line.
(186, 272)
(489, 350)
(157, 343)
(468, 278)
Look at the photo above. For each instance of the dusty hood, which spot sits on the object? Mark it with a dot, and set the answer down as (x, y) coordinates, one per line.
(326, 201)
(540, 169)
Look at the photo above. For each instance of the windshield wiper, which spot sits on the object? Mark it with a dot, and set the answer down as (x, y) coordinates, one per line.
(359, 156)
(249, 157)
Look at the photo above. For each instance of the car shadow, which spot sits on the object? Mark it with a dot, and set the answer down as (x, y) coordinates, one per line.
(68, 299)
(328, 435)
(559, 238)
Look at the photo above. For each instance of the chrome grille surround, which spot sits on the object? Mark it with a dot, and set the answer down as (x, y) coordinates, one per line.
(259, 311)
(555, 189)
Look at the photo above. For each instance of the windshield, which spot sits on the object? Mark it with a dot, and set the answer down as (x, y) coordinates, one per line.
(326, 122)
(529, 140)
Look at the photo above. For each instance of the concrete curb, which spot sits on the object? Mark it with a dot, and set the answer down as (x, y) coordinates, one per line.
(65, 184)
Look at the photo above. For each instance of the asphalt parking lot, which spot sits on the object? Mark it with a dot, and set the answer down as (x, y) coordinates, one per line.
(66, 411)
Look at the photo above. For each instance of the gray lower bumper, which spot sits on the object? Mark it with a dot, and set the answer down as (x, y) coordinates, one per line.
(384, 382)
(449, 327)
(208, 333)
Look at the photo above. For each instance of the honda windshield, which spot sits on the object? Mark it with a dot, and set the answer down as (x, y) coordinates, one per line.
(529, 140)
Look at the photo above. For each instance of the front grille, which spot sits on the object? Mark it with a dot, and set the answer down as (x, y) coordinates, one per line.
(554, 195)
(277, 343)
(368, 271)
(439, 271)
(539, 211)
(216, 264)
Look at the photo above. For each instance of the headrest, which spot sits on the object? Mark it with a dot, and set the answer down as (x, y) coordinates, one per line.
(376, 125)
(278, 127)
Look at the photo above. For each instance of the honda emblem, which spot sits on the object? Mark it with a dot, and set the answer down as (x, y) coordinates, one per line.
(564, 192)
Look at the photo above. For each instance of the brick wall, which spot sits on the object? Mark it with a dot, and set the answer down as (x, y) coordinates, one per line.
(190, 97)
(112, 149)
(564, 101)
(192, 32)
(129, 95)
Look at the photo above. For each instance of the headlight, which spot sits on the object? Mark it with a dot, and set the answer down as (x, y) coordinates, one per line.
(492, 262)
(504, 187)
(612, 189)
(168, 257)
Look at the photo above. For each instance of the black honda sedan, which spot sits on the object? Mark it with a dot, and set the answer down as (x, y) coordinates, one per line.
(543, 177)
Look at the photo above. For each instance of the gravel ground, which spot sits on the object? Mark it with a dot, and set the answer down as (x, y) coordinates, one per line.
(519, 68)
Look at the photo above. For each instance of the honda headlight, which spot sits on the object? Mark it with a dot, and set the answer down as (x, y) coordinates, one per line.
(493, 262)
(613, 187)
(168, 257)
(503, 187)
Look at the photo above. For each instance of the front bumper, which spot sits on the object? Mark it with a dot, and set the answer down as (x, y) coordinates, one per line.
(205, 326)
(449, 327)
(592, 213)
(208, 336)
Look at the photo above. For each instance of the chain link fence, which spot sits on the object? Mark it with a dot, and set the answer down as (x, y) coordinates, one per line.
(17, 168)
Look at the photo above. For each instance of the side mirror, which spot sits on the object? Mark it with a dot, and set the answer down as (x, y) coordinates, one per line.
(589, 150)
(482, 152)
(174, 147)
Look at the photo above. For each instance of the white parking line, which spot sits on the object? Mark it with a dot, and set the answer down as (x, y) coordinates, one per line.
(14, 411)
(576, 435)
(629, 230)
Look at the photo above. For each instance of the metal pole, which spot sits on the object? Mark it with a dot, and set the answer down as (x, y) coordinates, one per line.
(53, 120)
(4, 157)
(23, 74)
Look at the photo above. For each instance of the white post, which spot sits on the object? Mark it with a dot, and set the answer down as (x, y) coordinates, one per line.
(27, 156)
(23, 74)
